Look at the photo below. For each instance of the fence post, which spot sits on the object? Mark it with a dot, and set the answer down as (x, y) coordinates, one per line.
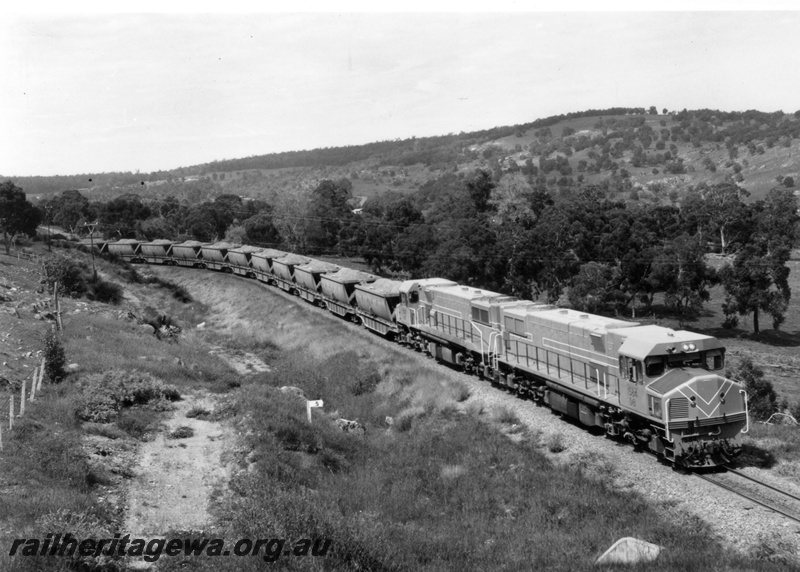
(11, 412)
(33, 385)
(41, 375)
(22, 399)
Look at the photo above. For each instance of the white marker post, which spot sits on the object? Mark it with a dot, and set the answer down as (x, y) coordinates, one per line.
(310, 404)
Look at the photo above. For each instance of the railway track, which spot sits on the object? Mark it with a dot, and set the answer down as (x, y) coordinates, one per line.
(763, 494)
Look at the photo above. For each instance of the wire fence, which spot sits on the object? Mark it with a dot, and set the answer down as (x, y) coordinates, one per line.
(16, 404)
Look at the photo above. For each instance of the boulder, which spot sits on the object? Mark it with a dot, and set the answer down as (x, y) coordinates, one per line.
(629, 550)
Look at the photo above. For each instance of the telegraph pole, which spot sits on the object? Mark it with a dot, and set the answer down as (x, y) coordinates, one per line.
(91, 226)
(49, 233)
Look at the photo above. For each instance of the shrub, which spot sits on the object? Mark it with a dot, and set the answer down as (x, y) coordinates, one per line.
(104, 395)
(182, 432)
(761, 396)
(505, 414)
(555, 443)
(54, 358)
(106, 292)
(197, 412)
(68, 272)
(136, 422)
(365, 382)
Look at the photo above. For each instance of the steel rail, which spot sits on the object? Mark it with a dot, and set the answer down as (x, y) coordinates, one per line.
(763, 484)
(768, 505)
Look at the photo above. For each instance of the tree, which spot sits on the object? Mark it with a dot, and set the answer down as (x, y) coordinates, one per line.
(594, 287)
(761, 396)
(680, 271)
(327, 212)
(758, 279)
(17, 215)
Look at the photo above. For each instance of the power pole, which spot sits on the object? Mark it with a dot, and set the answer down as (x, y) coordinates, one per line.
(49, 233)
(91, 226)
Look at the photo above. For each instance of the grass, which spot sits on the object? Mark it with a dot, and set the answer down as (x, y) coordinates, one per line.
(447, 491)
(436, 489)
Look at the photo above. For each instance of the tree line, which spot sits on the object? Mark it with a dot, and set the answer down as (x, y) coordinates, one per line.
(503, 232)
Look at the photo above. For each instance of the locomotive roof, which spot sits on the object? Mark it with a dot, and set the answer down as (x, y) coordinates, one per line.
(350, 275)
(126, 241)
(191, 243)
(318, 266)
(524, 307)
(568, 316)
(467, 292)
(383, 287)
(643, 341)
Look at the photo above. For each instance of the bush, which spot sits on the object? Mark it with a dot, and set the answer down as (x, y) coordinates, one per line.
(106, 292)
(761, 396)
(182, 432)
(68, 272)
(137, 422)
(104, 395)
(54, 358)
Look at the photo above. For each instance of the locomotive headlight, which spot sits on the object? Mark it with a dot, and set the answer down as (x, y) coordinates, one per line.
(692, 347)
(686, 347)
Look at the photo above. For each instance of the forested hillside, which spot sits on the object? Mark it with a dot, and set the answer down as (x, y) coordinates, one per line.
(608, 211)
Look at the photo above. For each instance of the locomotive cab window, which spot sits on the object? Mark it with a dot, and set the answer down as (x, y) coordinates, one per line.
(631, 369)
(403, 298)
(413, 297)
(715, 360)
(654, 366)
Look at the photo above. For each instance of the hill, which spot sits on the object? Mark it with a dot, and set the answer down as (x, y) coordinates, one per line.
(630, 152)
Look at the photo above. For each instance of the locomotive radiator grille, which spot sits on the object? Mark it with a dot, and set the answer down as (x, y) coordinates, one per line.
(679, 408)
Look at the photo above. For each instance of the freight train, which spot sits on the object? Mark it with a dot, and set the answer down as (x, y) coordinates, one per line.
(661, 389)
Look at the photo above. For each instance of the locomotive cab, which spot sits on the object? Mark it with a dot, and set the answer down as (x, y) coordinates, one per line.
(672, 379)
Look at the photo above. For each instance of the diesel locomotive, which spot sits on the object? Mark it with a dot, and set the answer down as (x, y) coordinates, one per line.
(661, 389)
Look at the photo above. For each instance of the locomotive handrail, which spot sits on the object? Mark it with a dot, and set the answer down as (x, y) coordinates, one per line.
(746, 411)
(480, 333)
(666, 421)
(489, 353)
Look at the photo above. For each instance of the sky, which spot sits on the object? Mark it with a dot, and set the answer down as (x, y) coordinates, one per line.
(89, 92)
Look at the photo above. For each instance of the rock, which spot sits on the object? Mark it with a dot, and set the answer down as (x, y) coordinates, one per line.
(71, 368)
(292, 389)
(201, 325)
(349, 426)
(147, 329)
(629, 551)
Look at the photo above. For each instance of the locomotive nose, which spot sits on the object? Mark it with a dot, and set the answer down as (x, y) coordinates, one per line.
(712, 396)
